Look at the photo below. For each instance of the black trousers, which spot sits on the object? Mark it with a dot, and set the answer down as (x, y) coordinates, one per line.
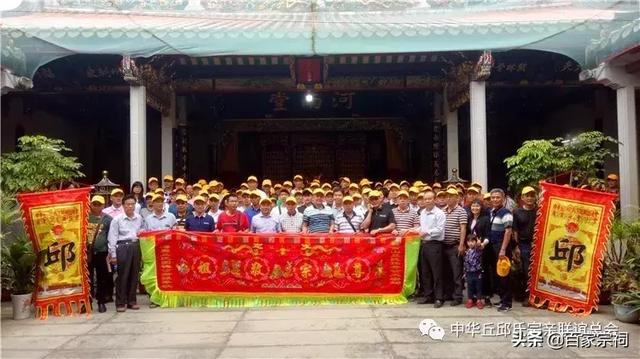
(100, 278)
(128, 272)
(454, 262)
(431, 274)
(503, 283)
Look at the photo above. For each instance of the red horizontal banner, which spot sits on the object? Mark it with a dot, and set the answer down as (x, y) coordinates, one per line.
(217, 262)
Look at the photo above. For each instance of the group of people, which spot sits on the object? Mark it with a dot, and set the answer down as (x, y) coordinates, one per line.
(463, 230)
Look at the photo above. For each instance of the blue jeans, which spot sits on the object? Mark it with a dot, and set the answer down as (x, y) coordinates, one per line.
(474, 285)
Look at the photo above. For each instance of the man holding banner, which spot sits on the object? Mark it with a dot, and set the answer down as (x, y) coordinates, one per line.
(124, 250)
(97, 233)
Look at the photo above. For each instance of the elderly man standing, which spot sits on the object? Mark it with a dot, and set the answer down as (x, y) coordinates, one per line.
(264, 222)
(124, 250)
(116, 203)
(407, 219)
(455, 232)
(318, 218)
(432, 222)
(159, 219)
(291, 219)
(379, 218)
(348, 221)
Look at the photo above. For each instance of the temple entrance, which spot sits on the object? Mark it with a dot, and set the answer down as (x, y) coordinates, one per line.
(325, 155)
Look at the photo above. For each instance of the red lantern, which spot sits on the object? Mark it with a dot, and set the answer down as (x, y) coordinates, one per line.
(309, 71)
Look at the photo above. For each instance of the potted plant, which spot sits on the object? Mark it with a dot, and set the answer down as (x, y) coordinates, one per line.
(18, 272)
(622, 270)
(626, 306)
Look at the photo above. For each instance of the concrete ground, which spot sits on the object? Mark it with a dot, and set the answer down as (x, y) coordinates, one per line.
(293, 332)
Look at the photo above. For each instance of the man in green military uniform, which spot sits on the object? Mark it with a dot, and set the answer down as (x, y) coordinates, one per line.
(97, 232)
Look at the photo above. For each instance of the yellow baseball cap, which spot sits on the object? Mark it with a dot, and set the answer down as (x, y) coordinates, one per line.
(265, 200)
(287, 184)
(179, 180)
(149, 194)
(117, 191)
(314, 185)
(152, 179)
(418, 184)
(252, 179)
(528, 189)
(244, 186)
(365, 182)
(326, 185)
(347, 199)
(476, 184)
(157, 197)
(414, 190)
(254, 193)
(290, 200)
(307, 191)
(97, 198)
(168, 178)
(356, 195)
(612, 176)
(318, 191)
(297, 177)
(266, 182)
(346, 179)
(214, 196)
(503, 267)
(213, 183)
(394, 185)
(182, 197)
(197, 185)
(403, 193)
(202, 181)
(486, 196)
(473, 189)
(442, 193)
(402, 183)
(436, 185)
(159, 191)
(375, 194)
(199, 198)
(421, 195)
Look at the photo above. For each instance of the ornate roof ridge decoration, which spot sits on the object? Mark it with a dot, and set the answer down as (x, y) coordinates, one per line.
(156, 81)
(294, 5)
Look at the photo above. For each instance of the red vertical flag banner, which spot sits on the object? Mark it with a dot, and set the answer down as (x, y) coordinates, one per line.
(570, 239)
(56, 222)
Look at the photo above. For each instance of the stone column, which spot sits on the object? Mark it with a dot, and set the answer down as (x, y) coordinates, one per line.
(477, 94)
(137, 133)
(628, 151)
(452, 139)
(168, 125)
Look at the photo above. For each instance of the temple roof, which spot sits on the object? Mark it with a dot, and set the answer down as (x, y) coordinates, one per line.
(48, 29)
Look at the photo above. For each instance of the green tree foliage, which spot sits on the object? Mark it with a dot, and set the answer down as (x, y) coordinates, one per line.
(39, 163)
(18, 266)
(580, 157)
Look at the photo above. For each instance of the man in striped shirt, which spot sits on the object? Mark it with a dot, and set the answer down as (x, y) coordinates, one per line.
(407, 219)
(348, 221)
(454, 237)
(318, 218)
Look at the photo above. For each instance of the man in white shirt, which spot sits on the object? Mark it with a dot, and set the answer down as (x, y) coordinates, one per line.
(432, 222)
(116, 204)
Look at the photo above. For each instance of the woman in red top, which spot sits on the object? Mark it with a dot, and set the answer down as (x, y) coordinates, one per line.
(231, 220)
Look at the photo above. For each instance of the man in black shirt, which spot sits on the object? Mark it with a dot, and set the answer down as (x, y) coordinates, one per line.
(379, 217)
(524, 222)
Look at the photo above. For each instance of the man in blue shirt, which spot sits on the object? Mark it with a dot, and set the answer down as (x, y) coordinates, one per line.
(254, 208)
(200, 221)
(500, 240)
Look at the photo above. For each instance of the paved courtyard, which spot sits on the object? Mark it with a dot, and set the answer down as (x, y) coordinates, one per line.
(294, 332)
